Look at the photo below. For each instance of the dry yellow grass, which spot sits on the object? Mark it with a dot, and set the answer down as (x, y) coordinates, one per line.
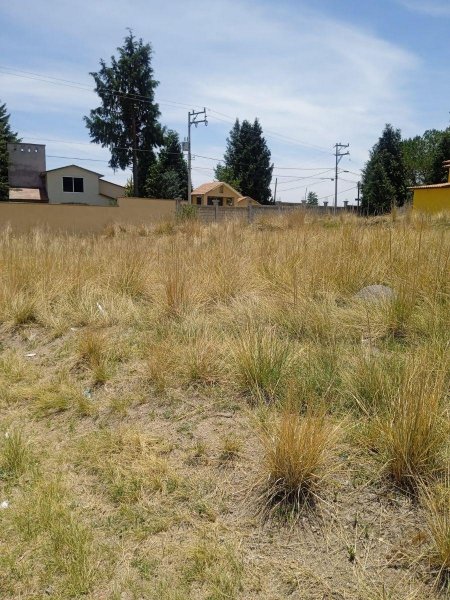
(298, 460)
(138, 367)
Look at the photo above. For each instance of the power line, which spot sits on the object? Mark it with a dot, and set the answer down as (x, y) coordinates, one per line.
(77, 158)
(307, 177)
(141, 98)
(175, 153)
(270, 133)
(75, 143)
(339, 193)
(81, 86)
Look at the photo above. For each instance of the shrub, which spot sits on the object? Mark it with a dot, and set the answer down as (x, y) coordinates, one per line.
(187, 212)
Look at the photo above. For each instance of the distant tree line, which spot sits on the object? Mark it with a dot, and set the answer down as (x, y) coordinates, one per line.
(394, 165)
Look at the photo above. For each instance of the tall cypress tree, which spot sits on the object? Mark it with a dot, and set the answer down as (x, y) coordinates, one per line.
(167, 177)
(127, 120)
(6, 136)
(247, 163)
(384, 176)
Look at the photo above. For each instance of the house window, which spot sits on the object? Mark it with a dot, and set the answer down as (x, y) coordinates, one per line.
(199, 199)
(73, 184)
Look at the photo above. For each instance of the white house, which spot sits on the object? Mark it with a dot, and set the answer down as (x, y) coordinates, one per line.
(29, 180)
(77, 185)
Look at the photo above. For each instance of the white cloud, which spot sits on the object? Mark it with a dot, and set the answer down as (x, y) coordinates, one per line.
(434, 8)
(305, 75)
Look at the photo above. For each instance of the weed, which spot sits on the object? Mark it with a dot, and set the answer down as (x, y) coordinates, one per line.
(231, 447)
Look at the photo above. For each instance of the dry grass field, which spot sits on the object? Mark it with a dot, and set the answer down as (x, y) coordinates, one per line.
(209, 412)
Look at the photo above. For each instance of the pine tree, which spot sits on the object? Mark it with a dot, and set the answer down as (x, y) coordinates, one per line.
(167, 177)
(247, 163)
(384, 176)
(127, 120)
(6, 136)
(438, 174)
(312, 199)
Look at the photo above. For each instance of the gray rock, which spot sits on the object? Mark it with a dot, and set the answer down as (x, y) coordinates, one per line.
(375, 292)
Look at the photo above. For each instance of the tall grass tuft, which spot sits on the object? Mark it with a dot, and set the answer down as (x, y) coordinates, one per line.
(261, 360)
(436, 501)
(298, 453)
(94, 352)
(411, 433)
(15, 455)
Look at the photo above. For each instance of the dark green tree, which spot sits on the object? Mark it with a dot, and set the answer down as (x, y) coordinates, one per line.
(419, 154)
(6, 136)
(167, 177)
(223, 173)
(312, 199)
(247, 165)
(439, 174)
(229, 170)
(384, 176)
(127, 120)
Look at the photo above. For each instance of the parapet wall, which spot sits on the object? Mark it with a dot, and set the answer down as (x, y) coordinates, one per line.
(26, 165)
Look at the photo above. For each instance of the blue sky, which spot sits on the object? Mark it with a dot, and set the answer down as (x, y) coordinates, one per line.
(314, 73)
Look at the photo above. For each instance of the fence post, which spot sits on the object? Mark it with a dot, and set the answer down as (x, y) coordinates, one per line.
(216, 208)
(250, 213)
(177, 206)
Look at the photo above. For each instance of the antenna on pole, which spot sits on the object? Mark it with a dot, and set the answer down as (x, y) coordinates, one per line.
(193, 119)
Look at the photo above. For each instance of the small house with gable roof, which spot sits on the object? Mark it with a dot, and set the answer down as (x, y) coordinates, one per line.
(220, 194)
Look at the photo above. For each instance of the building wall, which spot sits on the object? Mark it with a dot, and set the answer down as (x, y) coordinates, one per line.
(110, 189)
(432, 200)
(26, 163)
(23, 217)
(91, 194)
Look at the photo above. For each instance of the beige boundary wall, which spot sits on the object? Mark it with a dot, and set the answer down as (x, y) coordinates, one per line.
(23, 217)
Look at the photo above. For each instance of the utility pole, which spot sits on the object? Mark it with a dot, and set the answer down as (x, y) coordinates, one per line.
(359, 191)
(338, 154)
(193, 119)
(136, 190)
(275, 192)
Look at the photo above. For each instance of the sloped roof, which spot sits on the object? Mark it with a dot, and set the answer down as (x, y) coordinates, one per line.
(241, 198)
(77, 166)
(210, 186)
(27, 195)
(430, 187)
